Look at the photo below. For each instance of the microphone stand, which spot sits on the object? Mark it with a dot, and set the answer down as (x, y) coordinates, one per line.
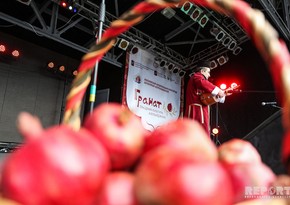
(216, 136)
(277, 106)
(93, 87)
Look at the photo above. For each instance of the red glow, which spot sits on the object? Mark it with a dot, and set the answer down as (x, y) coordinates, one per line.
(50, 65)
(15, 53)
(63, 4)
(2, 48)
(233, 85)
(223, 86)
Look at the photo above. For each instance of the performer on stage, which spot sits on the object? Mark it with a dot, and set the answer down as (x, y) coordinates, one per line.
(198, 84)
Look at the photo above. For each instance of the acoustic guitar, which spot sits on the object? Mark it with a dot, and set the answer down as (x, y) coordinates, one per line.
(209, 99)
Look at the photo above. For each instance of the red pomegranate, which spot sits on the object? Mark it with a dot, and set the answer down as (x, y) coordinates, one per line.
(250, 180)
(117, 189)
(183, 134)
(120, 131)
(172, 176)
(238, 151)
(60, 167)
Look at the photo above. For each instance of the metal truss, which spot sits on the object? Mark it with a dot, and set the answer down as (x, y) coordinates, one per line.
(85, 23)
(282, 24)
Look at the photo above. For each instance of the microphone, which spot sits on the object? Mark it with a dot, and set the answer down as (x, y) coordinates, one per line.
(268, 103)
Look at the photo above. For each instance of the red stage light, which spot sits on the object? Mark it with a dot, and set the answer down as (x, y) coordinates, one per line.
(63, 4)
(61, 68)
(50, 65)
(15, 53)
(75, 72)
(223, 86)
(233, 85)
(2, 48)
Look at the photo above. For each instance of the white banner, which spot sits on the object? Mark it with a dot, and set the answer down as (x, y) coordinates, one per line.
(152, 92)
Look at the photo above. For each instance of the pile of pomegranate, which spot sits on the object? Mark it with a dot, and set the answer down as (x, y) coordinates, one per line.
(113, 160)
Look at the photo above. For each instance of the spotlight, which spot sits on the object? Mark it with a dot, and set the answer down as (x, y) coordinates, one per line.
(50, 65)
(123, 44)
(237, 50)
(15, 53)
(223, 86)
(169, 66)
(134, 50)
(215, 131)
(222, 60)
(186, 7)
(2, 48)
(61, 68)
(214, 31)
(63, 4)
(196, 14)
(226, 41)
(220, 35)
(181, 73)
(160, 62)
(232, 45)
(203, 21)
(213, 64)
(168, 12)
(175, 69)
(75, 73)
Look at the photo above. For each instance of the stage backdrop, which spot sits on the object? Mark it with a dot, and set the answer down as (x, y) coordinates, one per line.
(151, 92)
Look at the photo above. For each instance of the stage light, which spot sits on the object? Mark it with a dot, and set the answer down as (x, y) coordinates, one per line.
(196, 14)
(226, 40)
(63, 4)
(175, 69)
(15, 53)
(215, 131)
(203, 21)
(123, 44)
(186, 7)
(2, 48)
(220, 35)
(168, 12)
(134, 50)
(222, 60)
(213, 64)
(214, 31)
(237, 50)
(160, 62)
(223, 86)
(232, 45)
(234, 85)
(181, 73)
(75, 72)
(61, 68)
(169, 66)
(50, 65)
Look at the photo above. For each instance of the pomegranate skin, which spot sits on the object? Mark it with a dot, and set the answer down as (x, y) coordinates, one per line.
(168, 176)
(60, 167)
(183, 134)
(117, 189)
(120, 131)
(238, 151)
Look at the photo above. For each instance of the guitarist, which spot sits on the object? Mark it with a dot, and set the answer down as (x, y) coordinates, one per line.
(197, 85)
